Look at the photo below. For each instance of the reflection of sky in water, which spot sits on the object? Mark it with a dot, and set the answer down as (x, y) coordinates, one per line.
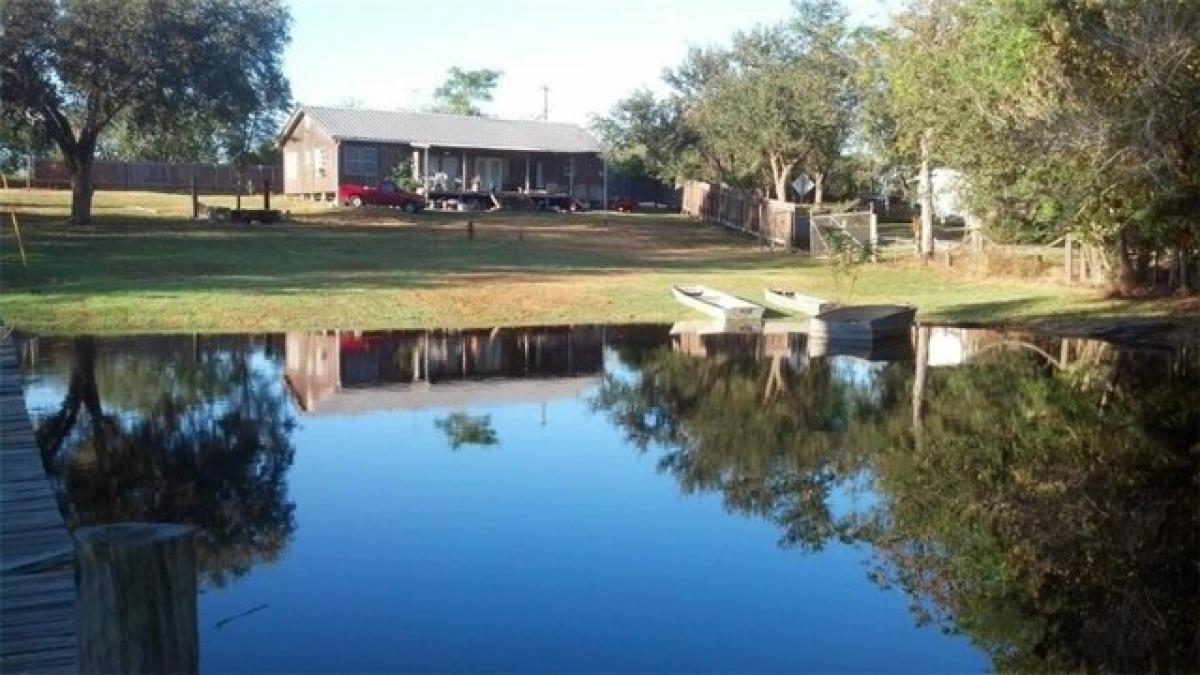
(559, 548)
(856, 372)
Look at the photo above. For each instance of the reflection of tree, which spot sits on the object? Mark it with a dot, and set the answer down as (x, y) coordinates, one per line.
(202, 439)
(766, 436)
(1051, 515)
(463, 429)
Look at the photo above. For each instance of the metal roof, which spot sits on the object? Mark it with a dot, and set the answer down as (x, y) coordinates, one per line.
(449, 131)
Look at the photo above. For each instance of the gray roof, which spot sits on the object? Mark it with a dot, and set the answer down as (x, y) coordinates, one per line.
(449, 131)
(450, 395)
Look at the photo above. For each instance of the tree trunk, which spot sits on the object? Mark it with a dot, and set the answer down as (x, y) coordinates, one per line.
(1179, 270)
(780, 172)
(818, 188)
(925, 244)
(81, 188)
(1123, 272)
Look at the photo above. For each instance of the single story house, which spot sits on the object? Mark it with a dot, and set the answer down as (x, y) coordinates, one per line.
(324, 147)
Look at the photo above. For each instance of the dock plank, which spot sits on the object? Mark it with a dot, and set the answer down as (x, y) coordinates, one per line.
(37, 590)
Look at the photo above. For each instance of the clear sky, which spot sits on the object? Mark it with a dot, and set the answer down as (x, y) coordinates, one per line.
(389, 54)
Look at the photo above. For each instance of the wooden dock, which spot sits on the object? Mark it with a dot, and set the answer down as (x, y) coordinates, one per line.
(37, 578)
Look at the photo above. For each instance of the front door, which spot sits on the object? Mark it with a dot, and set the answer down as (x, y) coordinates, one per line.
(491, 173)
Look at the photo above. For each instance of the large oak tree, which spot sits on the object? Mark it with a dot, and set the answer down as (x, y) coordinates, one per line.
(77, 66)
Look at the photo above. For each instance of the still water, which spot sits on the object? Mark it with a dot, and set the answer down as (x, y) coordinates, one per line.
(628, 498)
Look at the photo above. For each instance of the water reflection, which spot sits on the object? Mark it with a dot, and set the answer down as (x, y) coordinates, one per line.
(185, 430)
(1039, 496)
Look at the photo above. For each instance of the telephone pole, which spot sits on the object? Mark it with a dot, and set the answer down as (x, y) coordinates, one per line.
(545, 103)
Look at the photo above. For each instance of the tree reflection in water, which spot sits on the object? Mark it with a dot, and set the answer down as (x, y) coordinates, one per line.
(465, 429)
(1052, 514)
(175, 430)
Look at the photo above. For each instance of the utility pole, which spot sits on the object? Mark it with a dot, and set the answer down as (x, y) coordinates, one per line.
(545, 103)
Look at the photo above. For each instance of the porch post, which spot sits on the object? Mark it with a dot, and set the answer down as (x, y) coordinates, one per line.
(571, 183)
(527, 173)
(425, 173)
(464, 173)
(604, 165)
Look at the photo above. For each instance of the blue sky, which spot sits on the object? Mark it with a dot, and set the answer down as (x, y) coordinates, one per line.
(391, 54)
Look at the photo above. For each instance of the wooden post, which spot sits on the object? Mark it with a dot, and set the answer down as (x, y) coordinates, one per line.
(136, 599)
(266, 194)
(1069, 259)
(604, 166)
(195, 199)
(470, 229)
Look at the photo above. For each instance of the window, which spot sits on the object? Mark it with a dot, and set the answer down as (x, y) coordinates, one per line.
(319, 161)
(289, 165)
(362, 161)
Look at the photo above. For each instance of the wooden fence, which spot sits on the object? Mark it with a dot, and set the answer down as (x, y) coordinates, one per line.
(770, 220)
(162, 176)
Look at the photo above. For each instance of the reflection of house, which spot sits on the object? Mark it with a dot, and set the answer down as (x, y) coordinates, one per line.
(357, 372)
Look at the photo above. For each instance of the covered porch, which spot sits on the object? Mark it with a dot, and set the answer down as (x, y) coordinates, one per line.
(543, 178)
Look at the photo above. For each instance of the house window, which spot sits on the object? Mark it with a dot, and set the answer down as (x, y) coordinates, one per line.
(319, 161)
(362, 161)
(290, 171)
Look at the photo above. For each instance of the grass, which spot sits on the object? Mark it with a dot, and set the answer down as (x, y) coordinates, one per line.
(144, 267)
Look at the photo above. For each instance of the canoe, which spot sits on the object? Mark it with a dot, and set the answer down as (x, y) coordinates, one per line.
(717, 304)
(796, 302)
(862, 323)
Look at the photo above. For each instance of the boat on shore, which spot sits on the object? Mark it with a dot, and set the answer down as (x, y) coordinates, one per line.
(862, 324)
(716, 303)
(797, 302)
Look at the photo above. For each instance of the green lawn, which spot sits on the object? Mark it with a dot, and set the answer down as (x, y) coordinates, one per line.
(144, 267)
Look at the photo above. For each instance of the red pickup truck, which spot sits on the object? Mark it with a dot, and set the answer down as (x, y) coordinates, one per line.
(383, 193)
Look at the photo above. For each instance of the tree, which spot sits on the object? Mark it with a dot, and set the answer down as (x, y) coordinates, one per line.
(776, 101)
(78, 67)
(1126, 78)
(20, 138)
(463, 90)
(637, 135)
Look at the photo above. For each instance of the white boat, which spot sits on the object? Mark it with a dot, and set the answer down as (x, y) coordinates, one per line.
(797, 302)
(862, 324)
(717, 304)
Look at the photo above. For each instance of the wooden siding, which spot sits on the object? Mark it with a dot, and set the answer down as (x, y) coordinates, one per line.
(300, 175)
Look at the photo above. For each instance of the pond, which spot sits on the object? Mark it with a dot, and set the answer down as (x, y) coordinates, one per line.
(638, 498)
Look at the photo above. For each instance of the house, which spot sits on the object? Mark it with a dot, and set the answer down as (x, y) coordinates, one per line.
(323, 147)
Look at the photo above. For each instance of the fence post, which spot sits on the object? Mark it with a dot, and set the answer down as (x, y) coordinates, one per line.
(875, 234)
(1069, 258)
(195, 198)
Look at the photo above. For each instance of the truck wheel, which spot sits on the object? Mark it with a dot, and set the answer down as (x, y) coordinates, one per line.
(356, 201)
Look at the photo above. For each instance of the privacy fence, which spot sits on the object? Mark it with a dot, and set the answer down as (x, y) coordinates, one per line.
(162, 176)
(776, 222)
(770, 220)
